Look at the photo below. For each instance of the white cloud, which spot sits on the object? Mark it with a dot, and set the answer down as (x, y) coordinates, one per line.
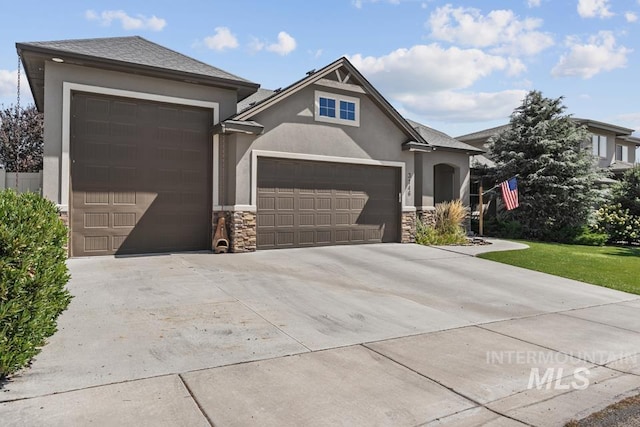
(500, 30)
(256, 45)
(631, 120)
(316, 53)
(359, 3)
(594, 9)
(139, 22)
(9, 89)
(285, 45)
(428, 79)
(223, 39)
(533, 3)
(429, 68)
(464, 107)
(631, 16)
(586, 60)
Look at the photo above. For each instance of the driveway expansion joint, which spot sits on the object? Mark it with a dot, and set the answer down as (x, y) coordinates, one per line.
(452, 390)
(196, 401)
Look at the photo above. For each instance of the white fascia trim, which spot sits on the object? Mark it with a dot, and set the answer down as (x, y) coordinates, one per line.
(68, 87)
(236, 208)
(319, 158)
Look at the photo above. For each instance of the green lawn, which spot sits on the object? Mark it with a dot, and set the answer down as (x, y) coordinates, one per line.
(613, 267)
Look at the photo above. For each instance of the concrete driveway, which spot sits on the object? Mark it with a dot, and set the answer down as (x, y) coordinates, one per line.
(364, 335)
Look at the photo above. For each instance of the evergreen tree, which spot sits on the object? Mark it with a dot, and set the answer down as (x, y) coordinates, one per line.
(21, 141)
(627, 191)
(556, 172)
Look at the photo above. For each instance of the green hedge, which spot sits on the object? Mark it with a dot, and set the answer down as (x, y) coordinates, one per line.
(33, 275)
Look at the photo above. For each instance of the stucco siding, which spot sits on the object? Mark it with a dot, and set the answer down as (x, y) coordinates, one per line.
(290, 127)
(458, 160)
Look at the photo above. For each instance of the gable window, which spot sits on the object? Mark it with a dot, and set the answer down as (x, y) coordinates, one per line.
(335, 108)
(622, 153)
(328, 107)
(599, 144)
(347, 110)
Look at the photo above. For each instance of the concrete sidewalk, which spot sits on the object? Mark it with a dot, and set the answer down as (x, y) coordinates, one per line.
(368, 335)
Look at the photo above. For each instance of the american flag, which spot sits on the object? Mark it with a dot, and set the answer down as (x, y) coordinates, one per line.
(510, 193)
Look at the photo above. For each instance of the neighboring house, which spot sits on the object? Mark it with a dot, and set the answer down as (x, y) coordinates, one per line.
(613, 145)
(146, 148)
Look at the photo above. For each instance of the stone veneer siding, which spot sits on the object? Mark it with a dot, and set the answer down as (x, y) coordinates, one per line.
(428, 217)
(64, 217)
(408, 227)
(241, 229)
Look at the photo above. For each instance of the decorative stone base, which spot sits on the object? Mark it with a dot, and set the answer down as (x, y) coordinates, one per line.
(64, 217)
(241, 228)
(428, 217)
(408, 227)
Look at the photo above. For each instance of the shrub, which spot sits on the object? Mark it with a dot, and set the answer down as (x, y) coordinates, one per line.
(588, 237)
(627, 191)
(33, 275)
(618, 223)
(450, 216)
(448, 230)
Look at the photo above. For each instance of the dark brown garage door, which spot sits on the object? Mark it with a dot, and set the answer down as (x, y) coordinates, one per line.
(140, 176)
(303, 203)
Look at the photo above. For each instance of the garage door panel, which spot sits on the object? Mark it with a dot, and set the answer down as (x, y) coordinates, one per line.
(323, 220)
(156, 195)
(303, 203)
(96, 197)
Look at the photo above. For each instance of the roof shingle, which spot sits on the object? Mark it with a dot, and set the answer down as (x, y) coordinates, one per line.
(441, 139)
(135, 50)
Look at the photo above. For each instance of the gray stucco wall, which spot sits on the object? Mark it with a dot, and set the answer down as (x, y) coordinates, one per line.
(290, 127)
(606, 161)
(631, 149)
(458, 160)
(56, 74)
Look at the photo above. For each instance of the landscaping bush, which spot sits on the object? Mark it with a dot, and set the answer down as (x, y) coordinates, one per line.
(33, 275)
(618, 223)
(627, 191)
(448, 230)
(588, 237)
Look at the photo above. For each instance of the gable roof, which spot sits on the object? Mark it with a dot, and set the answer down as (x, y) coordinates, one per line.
(312, 77)
(441, 139)
(488, 133)
(253, 99)
(128, 54)
(618, 130)
(633, 139)
(482, 134)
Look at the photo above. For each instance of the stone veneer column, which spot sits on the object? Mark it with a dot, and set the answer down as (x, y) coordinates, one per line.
(241, 228)
(408, 227)
(64, 217)
(428, 217)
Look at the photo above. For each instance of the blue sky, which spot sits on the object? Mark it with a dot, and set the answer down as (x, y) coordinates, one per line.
(456, 66)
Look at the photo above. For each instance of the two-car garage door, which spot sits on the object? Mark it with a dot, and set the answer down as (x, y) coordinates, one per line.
(307, 203)
(140, 176)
